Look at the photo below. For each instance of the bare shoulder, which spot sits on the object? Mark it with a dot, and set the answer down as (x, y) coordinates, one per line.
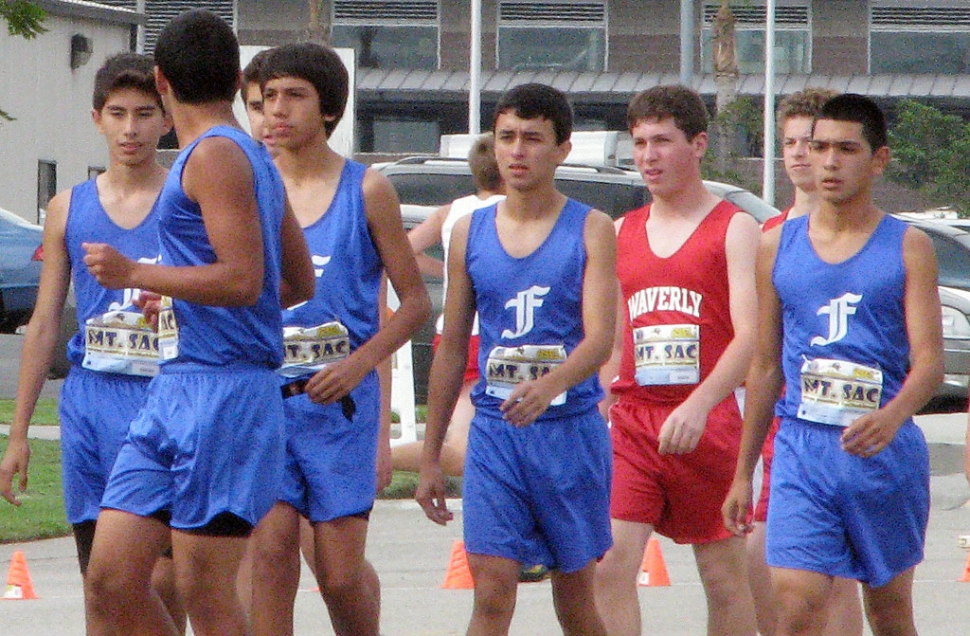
(377, 185)
(917, 247)
(56, 211)
(743, 233)
(598, 223)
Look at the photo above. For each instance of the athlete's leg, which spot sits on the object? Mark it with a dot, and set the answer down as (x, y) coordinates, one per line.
(496, 580)
(724, 573)
(843, 613)
(348, 582)
(276, 571)
(119, 575)
(306, 545)
(575, 606)
(801, 597)
(206, 566)
(244, 579)
(616, 578)
(890, 607)
(163, 582)
(759, 580)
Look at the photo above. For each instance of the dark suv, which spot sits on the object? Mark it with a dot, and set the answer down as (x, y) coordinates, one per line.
(424, 183)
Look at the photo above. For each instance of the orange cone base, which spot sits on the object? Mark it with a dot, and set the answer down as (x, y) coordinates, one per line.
(458, 576)
(19, 586)
(966, 572)
(653, 569)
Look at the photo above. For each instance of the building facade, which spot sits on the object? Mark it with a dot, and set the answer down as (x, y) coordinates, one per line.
(45, 86)
(413, 55)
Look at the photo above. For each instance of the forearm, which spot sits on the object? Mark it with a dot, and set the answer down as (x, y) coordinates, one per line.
(918, 388)
(444, 387)
(384, 380)
(726, 376)
(36, 357)
(215, 284)
(397, 330)
(762, 388)
(585, 360)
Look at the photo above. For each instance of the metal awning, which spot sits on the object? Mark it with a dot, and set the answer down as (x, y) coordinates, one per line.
(448, 86)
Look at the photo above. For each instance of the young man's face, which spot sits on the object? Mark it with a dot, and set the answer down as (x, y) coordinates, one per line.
(845, 166)
(527, 152)
(291, 106)
(132, 122)
(796, 132)
(668, 162)
(253, 98)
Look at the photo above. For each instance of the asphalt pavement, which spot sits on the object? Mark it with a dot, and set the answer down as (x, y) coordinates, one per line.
(411, 556)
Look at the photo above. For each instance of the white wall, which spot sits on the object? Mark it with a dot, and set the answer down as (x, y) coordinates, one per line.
(51, 104)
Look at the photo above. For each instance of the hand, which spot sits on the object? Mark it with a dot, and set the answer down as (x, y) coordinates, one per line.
(682, 430)
(737, 508)
(869, 434)
(15, 461)
(150, 304)
(431, 494)
(334, 381)
(108, 266)
(526, 403)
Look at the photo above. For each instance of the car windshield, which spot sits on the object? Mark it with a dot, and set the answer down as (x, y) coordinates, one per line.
(440, 189)
(431, 189)
(953, 255)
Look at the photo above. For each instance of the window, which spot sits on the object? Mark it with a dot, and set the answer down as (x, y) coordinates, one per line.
(563, 36)
(405, 134)
(46, 187)
(904, 39)
(793, 41)
(388, 34)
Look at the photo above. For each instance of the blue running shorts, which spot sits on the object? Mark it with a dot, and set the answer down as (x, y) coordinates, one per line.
(539, 494)
(95, 411)
(209, 441)
(331, 462)
(831, 512)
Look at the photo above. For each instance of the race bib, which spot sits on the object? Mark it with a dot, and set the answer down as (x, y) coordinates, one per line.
(168, 330)
(306, 350)
(508, 366)
(837, 392)
(120, 342)
(667, 354)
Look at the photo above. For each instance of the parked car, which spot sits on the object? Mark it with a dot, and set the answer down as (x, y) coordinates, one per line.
(424, 183)
(435, 181)
(21, 253)
(952, 247)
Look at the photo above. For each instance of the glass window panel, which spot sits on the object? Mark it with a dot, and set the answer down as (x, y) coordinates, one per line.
(537, 48)
(919, 52)
(411, 47)
(405, 135)
(791, 51)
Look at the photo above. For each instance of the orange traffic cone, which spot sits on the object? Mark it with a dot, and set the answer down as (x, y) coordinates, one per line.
(966, 572)
(653, 570)
(458, 576)
(19, 587)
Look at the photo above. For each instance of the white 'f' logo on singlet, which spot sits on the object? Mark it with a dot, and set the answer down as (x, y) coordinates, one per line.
(130, 295)
(318, 264)
(525, 303)
(838, 310)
